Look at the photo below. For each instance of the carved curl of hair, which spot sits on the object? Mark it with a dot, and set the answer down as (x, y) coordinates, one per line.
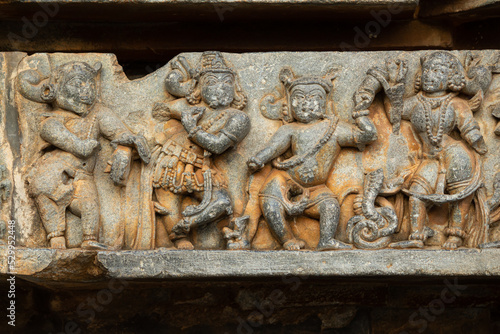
(240, 99)
(456, 78)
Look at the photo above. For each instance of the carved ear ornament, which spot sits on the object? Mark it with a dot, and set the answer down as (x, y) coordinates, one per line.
(48, 93)
(418, 83)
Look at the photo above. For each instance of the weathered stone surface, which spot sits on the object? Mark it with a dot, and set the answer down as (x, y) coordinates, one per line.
(46, 265)
(258, 75)
(261, 151)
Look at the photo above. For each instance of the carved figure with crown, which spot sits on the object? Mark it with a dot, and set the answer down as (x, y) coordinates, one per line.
(303, 151)
(202, 122)
(448, 167)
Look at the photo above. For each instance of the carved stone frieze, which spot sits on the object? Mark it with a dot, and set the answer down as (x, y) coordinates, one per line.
(265, 151)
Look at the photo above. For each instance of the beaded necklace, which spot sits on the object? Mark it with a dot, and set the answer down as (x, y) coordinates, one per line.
(298, 160)
(428, 104)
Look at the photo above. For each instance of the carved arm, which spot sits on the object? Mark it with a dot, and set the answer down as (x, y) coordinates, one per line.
(54, 132)
(236, 128)
(277, 145)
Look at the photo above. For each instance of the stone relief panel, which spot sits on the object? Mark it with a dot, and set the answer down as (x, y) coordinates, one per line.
(265, 151)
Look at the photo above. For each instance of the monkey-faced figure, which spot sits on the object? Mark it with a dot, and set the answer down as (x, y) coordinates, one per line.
(312, 140)
(63, 177)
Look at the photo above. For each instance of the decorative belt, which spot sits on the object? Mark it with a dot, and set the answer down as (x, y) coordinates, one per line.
(171, 148)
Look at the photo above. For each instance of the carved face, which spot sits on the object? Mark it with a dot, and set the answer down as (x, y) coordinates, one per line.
(308, 102)
(77, 93)
(217, 89)
(435, 73)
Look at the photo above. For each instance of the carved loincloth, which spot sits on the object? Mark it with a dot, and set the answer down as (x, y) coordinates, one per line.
(438, 197)
(312, 195)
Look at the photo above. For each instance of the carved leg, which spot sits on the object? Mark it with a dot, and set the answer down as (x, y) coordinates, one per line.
(165, 223)
(418, 217)
(460, 169)
(252, 211)
(329, 211)
(424, 182)
(219, 206)
(274, 213)
(86, 206)
(53, 217)
(458, 215)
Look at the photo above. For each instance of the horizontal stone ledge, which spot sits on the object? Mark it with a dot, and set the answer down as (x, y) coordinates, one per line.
(463, 9)
(77, 265)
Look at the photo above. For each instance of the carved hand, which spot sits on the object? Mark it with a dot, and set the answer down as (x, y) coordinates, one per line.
(190, 117)
(477, 142)
(88, 147)
(362, 101)
(140, 143)
(255, 164)
(397, 72)
(298, 207)
(119, 168)
(142, 147)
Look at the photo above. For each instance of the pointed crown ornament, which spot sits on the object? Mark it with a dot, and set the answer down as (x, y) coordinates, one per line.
(213, 61)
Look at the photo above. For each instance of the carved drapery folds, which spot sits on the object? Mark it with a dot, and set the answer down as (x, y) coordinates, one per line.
(318, 151)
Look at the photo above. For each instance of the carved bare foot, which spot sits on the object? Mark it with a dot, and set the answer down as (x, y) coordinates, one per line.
(93, 245)
(166, 248)
(184, 243)
(240, 244)
(420, 236)
(407, 244)
(332, 244)
(452, 243)
(58, 243)
(294, 244)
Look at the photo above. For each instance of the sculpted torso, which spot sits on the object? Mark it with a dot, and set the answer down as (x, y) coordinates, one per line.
(448, 119)
(84, 128)
(316, 167)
